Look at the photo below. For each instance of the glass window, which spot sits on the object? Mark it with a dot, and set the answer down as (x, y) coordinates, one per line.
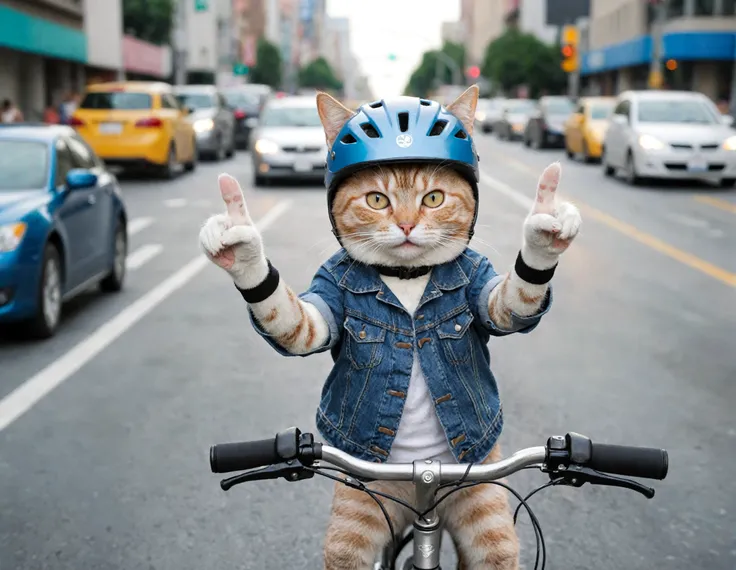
(242, 100)
(729, 7)
(558, 106)
(520, 106)
(221, 101)
(600, 111)
(169, 101)
(82, 157)
(291, 117)
(63, 162)
(622, 109)
(122, 100)
(675, 8)
(705, 7)
(23, 165)
(675, 111)
(196, 100)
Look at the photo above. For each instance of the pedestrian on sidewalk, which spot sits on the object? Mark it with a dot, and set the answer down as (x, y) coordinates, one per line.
(67, 107)
(51, 116)
(10, 113)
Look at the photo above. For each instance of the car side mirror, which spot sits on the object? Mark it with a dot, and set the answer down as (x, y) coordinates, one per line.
(79, 178)
(727, 120)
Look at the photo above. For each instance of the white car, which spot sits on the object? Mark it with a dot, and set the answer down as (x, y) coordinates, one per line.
(670, 134)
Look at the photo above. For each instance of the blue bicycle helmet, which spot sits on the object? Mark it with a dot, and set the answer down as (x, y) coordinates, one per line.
(402, 129)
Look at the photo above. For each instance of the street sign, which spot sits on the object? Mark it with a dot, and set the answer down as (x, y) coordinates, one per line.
(201, 5)
(240, 69)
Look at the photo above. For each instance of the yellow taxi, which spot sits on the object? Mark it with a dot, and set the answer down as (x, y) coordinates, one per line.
(586, 127)
(133, 124)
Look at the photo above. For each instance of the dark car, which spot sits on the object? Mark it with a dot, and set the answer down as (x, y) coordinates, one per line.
(247, 107)
(515, 114)
(62, 224)
(213, 120)
(546, 127)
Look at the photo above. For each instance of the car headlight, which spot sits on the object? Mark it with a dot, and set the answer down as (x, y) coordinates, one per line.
(202, 125)
(11, 236)
(648, 142)
(518, 127)
(730, 143)
(480, 116)
(265, 146)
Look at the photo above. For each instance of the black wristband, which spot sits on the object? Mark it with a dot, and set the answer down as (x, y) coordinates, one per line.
(531, 275)
(264, 289)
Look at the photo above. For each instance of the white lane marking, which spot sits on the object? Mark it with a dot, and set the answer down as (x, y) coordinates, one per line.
(521, 199)
(138, 224)
(175, 202)
(202, 203)
(143, 255)
(28, 394)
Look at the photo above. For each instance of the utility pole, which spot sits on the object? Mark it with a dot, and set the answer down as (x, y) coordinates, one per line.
(180, 43)
(656, 77)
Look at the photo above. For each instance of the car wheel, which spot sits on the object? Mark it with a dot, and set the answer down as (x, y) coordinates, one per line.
(485, 129)
(169, 169)
(48, 313)
(607, 169)
(728, 182)
(537, 142)
(192, 164)
(114, 280)
(570, 154)
(260, 181)
(527, 142)
(231, 150)
(630, 174)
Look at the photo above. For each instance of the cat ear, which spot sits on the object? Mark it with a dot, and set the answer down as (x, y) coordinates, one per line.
(464, 107)
(333, 115)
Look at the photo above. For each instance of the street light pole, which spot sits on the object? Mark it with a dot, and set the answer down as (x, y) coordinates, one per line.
(180, 42)
(655, 68)
(452, 65)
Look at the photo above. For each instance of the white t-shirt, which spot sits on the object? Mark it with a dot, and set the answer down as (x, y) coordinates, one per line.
(420, 434)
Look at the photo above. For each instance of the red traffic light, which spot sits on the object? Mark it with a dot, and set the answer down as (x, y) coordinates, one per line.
(474, 71)
(568, 50)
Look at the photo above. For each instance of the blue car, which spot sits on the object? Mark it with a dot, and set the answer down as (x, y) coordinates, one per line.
(62, 224)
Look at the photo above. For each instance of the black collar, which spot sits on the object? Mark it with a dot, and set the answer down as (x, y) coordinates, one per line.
(403, 272)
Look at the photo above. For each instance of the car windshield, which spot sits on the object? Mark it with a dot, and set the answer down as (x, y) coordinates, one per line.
(23, 165)
(196, 100)
(242, 100)
(519, 107)
(122, 100)
(558, 107)
(600, 111)
(675, 111)
(291, 117)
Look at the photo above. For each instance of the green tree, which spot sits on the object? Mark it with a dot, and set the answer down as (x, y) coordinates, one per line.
(425, 76)
(149, 20)
(267, 69)
(516, 58)
(319, 75)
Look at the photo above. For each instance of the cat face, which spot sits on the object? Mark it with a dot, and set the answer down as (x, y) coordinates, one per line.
(405, 215)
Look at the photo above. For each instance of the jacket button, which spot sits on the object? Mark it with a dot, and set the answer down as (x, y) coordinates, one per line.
(458, 328)
(361, 334)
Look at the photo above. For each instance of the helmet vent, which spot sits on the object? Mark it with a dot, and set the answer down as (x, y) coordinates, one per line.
(461, 134)
(348, 139)
(403, 122)
(370, 130)
(424, 102)
(376, 105)
(437, 128)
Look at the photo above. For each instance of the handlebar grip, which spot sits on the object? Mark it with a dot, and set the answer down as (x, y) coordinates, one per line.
(645, 462)
(227, 457)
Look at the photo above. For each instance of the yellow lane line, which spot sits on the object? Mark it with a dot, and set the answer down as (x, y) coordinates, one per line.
(716, 203)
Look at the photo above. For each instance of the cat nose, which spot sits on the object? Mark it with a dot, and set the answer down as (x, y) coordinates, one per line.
(407, 228)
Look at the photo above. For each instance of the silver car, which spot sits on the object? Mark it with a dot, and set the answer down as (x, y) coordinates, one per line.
(289, 141)
(212, 118)
(488, 113)
(670, 134)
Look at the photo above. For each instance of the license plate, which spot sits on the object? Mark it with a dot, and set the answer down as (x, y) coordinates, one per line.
(697, 164)
(111, 128)
(302, 166)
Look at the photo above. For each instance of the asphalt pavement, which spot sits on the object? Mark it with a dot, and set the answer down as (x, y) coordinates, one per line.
(105, 429)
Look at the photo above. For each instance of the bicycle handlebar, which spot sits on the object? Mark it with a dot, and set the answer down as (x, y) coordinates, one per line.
(571, 451)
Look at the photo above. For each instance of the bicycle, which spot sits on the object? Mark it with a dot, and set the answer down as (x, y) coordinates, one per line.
(571, 460)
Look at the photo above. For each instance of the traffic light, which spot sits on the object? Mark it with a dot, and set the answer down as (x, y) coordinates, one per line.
(569, 49)
(474, 72)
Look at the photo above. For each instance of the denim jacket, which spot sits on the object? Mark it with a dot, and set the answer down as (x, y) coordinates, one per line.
(372, 341)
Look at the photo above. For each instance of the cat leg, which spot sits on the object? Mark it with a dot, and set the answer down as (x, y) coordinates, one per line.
(482, 527)
(358, 531)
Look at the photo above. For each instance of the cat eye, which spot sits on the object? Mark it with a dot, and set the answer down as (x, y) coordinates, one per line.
(434, 198)
(377, 201)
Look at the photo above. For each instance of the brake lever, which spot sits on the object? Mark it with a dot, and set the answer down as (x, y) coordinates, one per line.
(577, 476)
(291, 470)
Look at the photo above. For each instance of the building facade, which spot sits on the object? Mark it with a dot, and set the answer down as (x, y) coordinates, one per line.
(699, 42)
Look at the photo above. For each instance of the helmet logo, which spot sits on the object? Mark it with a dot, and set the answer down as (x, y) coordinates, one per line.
(404, 141)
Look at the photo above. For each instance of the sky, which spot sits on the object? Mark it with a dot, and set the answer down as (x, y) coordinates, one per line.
(381, 27)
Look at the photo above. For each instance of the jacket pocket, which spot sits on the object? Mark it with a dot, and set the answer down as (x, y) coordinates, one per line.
(364, 342)
(455, 338)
